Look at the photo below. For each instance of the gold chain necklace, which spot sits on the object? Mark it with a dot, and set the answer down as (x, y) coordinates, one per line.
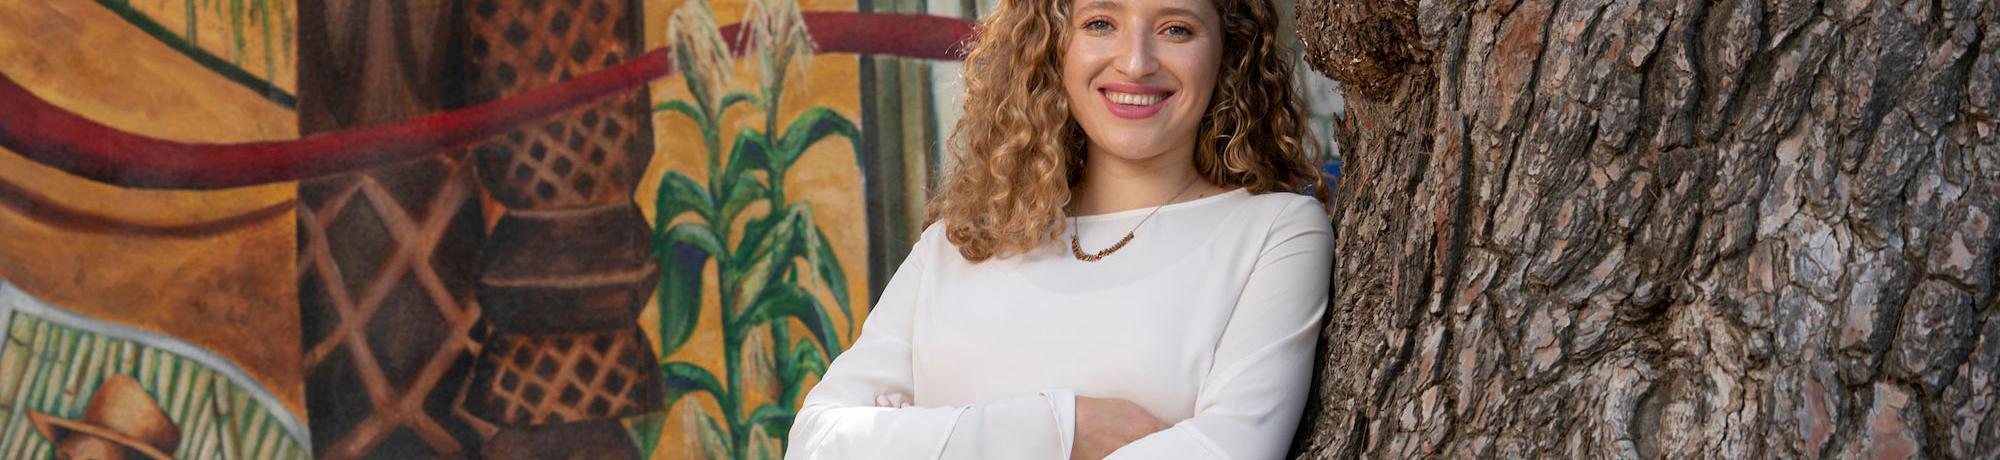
(1076, 249)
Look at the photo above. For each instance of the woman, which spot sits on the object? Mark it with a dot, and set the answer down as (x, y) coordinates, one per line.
(1114, 267)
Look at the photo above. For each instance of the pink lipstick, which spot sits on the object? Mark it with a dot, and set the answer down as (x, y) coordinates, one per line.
(1133, 102)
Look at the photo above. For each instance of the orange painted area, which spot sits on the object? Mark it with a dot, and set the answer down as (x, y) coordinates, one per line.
(231, 290)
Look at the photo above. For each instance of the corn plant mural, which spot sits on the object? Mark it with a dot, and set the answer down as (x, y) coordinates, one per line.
(763, 275)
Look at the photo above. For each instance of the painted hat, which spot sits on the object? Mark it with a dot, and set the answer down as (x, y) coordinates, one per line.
(120, 412)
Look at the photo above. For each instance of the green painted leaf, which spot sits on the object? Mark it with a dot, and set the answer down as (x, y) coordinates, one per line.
(682, 107)
(679, 193)
(736, 97)
(780, 301)
(776, 420)
(682, 250)
(792, 235)
(806, 359)
(714, 440)
(645, 431)
(682, 377)
(695, 233)
(755, 234)
(751, 151)
(770, 254)
(680, 292)
(827, 266)
(743, 192)
(769, 412)
(811, 127)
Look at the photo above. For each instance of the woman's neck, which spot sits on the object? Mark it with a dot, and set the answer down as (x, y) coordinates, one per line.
(1113, 184)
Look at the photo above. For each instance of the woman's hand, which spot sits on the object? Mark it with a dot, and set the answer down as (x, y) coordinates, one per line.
(892, 401)
(1103, 425)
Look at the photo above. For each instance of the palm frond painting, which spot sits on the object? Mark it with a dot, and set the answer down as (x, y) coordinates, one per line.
(53, 362)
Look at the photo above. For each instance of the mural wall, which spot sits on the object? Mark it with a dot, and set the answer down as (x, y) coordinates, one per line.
(465, 228)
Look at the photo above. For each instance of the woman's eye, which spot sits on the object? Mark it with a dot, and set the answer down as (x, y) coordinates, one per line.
(1097, 25)
(1179, 31)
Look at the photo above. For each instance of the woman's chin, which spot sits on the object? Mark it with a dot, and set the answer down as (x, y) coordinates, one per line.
(1135, 150)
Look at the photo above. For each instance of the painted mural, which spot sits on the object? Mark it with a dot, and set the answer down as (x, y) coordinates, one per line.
(452, 228)
(385, 229)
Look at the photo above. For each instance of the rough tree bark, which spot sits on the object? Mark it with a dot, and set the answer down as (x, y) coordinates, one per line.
(1646, 228)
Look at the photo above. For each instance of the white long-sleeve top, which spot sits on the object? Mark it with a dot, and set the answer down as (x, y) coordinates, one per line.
(1207, 319)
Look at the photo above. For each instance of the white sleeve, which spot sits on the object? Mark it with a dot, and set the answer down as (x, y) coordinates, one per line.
(839, 419)
(1249, 403)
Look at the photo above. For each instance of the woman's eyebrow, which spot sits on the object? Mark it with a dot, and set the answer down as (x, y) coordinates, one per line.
(1181, 12)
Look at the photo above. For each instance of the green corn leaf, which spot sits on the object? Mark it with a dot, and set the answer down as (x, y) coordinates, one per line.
(742, 192)
(820, 251)
(736, 97)
(680, 292)
(755, 234)
(694, 233)
(714, 439)
(780, 301)
(770, 255)
(682, 378)
(811, 127)
(645, 431)
(751, 151)
(775, 241)
(776, 419)
(679, 193)
(806, 360)
(809, 360)
(683, 107)
(682, 249)
(772, 245)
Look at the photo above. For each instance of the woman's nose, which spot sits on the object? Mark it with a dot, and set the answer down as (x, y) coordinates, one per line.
(1135, 58)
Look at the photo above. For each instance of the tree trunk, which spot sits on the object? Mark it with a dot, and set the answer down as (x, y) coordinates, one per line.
(1647, 228)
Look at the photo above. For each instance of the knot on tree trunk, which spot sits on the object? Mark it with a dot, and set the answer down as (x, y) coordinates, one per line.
(1363, 44)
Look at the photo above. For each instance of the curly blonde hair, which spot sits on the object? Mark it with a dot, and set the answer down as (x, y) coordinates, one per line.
(1019, 152)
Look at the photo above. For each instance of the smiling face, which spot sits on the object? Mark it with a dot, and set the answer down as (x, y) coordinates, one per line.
(1139, 73)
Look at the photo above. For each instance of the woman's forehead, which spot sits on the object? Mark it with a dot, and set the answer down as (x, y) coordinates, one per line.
(1199, 9)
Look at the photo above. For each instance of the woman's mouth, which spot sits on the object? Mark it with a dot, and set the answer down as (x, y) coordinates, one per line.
(1135, 99)
(1135, 103)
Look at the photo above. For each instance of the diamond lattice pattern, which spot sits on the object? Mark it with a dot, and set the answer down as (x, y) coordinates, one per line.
(387, 316)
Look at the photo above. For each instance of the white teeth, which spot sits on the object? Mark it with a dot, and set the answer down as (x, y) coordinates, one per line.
(1134, 99)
